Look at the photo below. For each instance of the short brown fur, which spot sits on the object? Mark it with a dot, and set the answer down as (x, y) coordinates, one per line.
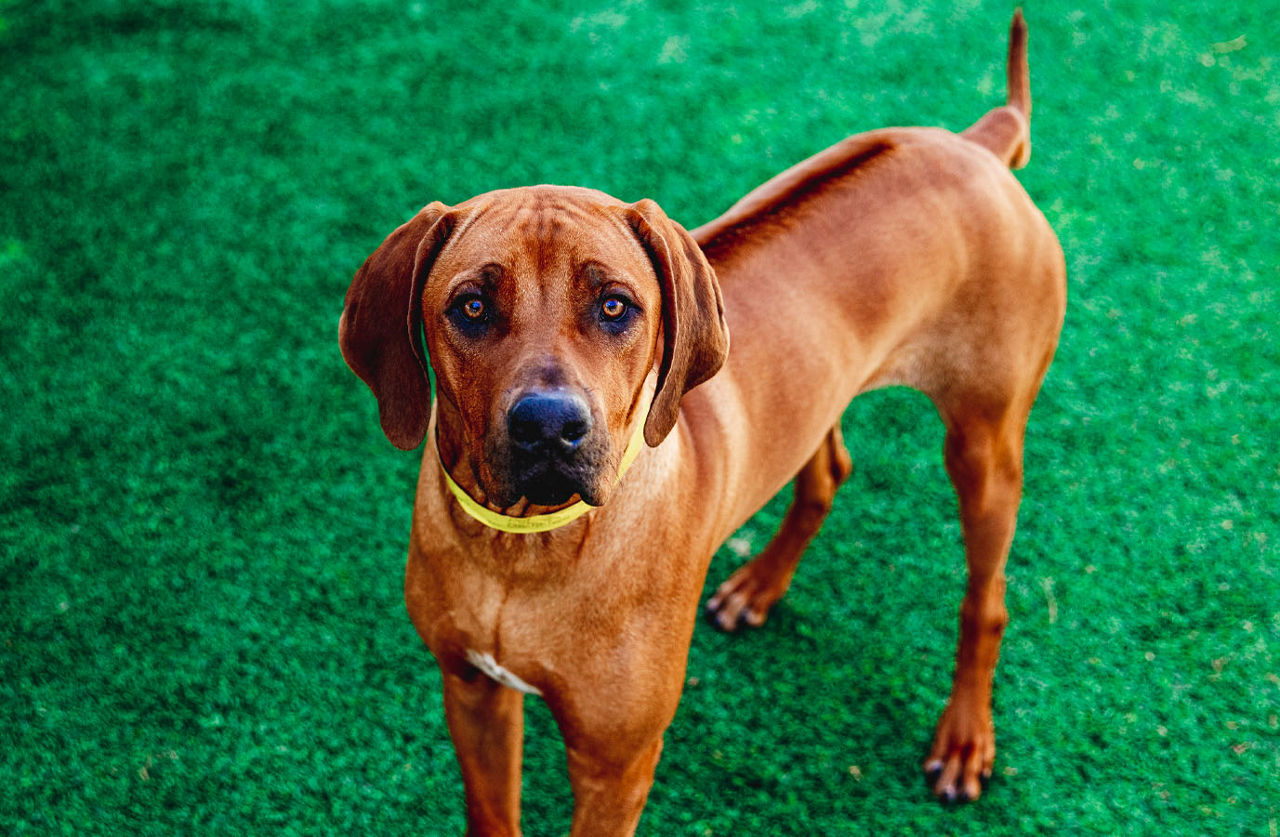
(904, 256)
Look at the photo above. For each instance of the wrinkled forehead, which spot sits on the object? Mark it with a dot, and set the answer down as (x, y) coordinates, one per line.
(543, 228)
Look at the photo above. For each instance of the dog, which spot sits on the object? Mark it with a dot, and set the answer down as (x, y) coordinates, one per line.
(594, 434)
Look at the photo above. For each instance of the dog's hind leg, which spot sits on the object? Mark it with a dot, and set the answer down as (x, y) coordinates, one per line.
(745, 598)
(983, 457)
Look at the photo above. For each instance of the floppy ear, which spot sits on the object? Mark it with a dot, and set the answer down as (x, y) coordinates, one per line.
(382, 319)
(695, 337)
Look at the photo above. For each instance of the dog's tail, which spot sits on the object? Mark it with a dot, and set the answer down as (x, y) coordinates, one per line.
(1006, 131)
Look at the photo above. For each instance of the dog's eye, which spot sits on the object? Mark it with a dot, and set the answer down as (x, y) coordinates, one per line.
(613, 308)
(471, 313)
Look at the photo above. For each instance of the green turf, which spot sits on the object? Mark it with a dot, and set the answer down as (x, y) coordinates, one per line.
(202, 529)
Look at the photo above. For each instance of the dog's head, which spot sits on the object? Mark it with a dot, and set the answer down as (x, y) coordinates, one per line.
(545, 312)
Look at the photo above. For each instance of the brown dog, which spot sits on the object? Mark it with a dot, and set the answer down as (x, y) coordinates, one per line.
(562, 323)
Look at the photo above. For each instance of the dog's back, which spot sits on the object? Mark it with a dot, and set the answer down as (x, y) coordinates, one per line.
(891, 258)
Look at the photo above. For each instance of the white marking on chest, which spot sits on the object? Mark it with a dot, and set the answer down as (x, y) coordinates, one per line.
(487, 664)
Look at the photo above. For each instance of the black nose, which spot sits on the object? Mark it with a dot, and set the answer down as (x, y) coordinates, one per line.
(548, 422)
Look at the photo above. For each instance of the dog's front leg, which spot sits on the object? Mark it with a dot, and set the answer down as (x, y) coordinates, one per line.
(609, 790)
(486, 722)
(612, 713)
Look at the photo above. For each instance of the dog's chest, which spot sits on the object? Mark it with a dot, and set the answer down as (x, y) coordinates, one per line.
(485, 662)
(486, 614)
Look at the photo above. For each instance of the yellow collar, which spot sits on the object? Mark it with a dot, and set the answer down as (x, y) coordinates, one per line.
(538, 522)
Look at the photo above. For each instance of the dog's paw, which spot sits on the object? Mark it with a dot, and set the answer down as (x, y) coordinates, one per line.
(744, 599)
(963, 755)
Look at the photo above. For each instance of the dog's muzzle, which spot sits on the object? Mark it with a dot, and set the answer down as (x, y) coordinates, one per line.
(548, 433)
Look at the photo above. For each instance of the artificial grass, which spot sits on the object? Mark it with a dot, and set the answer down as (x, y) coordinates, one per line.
(202, 529)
